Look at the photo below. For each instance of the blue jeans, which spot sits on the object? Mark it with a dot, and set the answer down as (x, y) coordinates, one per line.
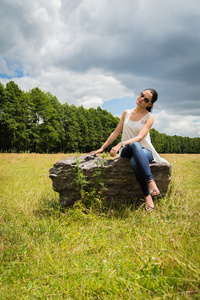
(139, 161)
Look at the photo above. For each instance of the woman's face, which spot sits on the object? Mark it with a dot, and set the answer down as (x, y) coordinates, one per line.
(145, 98)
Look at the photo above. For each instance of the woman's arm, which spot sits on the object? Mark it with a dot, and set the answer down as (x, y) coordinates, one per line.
(143, 132)
(114, 135)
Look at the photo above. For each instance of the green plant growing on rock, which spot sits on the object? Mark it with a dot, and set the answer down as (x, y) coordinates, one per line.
(92, 192)
(80, 180)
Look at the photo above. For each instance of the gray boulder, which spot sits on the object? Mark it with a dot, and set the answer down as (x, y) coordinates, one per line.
(119, 180)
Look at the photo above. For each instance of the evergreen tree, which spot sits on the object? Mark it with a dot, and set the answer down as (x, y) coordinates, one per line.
(98, 128)
(91, 143)
(37, 121)
(109, 124)
(2, 119)
(14, 115)
(46, 123)
(72, 135)
(84, 132)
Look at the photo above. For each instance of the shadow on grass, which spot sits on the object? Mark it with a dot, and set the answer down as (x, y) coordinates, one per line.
(49, 206)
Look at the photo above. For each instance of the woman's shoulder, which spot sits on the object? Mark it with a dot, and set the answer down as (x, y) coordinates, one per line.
(126, 112)
(149, 118)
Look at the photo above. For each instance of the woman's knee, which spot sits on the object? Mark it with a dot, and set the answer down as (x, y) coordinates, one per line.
(135, 146)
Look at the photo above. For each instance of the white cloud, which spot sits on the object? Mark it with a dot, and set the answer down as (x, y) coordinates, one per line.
(188, 126)
(87, 52)
(4, 68)
(90, 89)
(177, 124)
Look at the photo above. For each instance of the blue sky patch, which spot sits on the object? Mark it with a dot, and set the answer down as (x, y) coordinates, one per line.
(117, 106)
(17, 74)
(12, 70)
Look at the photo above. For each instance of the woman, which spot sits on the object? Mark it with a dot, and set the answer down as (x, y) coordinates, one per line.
(135, 125)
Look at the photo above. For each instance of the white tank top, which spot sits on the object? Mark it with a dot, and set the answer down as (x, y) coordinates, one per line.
(131, 129)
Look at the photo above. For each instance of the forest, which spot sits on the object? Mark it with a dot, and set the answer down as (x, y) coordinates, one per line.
(36, 121)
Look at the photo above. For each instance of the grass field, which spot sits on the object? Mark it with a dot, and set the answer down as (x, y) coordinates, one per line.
(47, 252)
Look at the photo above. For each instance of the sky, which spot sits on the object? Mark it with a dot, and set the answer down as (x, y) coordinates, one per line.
(104, 53)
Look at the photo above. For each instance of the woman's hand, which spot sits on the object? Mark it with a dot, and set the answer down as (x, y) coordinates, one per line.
(115, 149)
(97, 151)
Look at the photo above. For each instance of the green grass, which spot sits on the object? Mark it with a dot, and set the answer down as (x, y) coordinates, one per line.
(47, 252)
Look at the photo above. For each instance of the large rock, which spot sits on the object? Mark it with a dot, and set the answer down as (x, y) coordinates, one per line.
(118, 178)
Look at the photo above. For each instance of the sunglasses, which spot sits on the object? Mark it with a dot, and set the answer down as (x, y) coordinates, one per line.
(146, 100)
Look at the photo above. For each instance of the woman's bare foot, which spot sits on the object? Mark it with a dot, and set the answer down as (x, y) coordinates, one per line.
(154, 191)
(149, 205)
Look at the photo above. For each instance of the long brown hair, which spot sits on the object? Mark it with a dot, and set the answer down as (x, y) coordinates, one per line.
(154, 98)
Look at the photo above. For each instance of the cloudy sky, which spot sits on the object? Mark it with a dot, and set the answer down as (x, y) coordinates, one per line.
(104, 53)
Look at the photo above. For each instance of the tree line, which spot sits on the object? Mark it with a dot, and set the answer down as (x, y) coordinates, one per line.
(36, 121)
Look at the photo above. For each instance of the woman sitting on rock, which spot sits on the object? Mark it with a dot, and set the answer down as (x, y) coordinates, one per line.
(135, 125)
